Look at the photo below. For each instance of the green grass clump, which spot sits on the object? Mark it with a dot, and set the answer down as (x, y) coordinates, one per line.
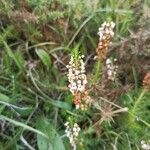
(136, 122)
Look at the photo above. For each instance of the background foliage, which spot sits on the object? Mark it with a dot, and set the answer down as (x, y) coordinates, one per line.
(37, 38)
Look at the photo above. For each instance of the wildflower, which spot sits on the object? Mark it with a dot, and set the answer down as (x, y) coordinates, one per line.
(72, 133)
(82, 100)
(146, 81)
(105, 34)
(144, 145)
(76, 75)
(78, 82)
(111, 68)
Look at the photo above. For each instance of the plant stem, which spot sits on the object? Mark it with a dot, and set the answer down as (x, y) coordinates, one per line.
(138, 101)
(97, 71)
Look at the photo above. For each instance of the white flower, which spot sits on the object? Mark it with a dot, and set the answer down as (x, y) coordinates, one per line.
(76, 75)
(72, 133)
(77, 106)
(66, 124)
(108, 61)
(104, 24)
(106, 30)
(109, 73)
(144, 145)
(112, 24)
(111, 68)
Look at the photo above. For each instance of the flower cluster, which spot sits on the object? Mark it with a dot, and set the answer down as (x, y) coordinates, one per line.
(76, 75)
(77, 82)
(72, 133)
(111, 68)
(144, 145)
(105, 34)
(82, 100)
(146, 81)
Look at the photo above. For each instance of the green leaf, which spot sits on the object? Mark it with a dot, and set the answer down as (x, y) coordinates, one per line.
(24, 126)
(13, 56)
(60, 104)
(45, 58)
(23, 111)
(4, 98)
(54, 142)
(44, 144)
(20, 59)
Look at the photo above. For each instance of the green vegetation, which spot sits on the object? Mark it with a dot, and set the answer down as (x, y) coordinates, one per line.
(37, 38)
